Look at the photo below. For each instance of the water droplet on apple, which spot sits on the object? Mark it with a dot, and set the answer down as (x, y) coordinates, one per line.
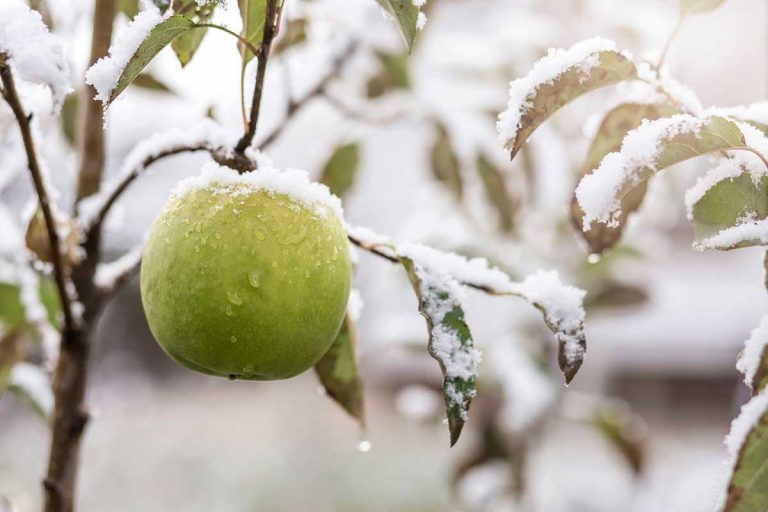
(364, 446)
(233, 339)
(234, 298)
(254, 279)
(594, 258)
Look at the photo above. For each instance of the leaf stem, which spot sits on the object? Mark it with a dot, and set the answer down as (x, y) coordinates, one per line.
(12, 98)
(668, 44)
(225, 29)
(262, 55)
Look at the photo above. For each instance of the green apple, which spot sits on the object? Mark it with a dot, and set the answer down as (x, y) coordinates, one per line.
(243, 282)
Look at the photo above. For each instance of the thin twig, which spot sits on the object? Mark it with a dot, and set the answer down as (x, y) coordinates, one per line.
(12, 98)
(392, 257)
(262, 55)
(668, 44)
(129, 178)
(295, 105)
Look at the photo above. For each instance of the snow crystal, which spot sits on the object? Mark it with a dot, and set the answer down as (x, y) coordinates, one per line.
(292, 182)
(750, 358)
(367, 236)
(107, 274)
(34, 382)
(419, 3)
(583, 55)
(686, 99)
(563, 309)
(105, 73)
(355, 304)
(748, 229)
(206, 133)
(757, 112)
(36, 54)
(598, 193)
(421, 21)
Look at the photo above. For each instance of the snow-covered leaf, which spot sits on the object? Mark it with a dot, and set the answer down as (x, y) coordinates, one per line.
(188, 42)
(444, 162)
(650, 148)
(753, 360)
(556, 80)
(406, 17)
(339, 171)
(144, 38)
(497, 192)
(747, 444)
(695, 6)
(32, 384)
(732, 214)
(338, 373)
(450, 341)
(614, 126)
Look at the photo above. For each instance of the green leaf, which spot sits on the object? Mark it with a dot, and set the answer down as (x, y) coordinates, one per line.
(497, 192)
(406, 16)
(147, 81)
(748, 485)
(392, 75)
(157, 39)
(68, 117)
(294, 32)
(253, 14)
(614, 126)
(726, 205)
(128, 7)
(444, 163)
(12, 313)
(696, 6)
(624, 430)
(187, 43)
(32, 385)
(339, 172)
(676, 139)
(450, 342)
(548, 97)
(338, 373)
(12, 351)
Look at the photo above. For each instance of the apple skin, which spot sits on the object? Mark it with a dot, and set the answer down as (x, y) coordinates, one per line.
(243, 283)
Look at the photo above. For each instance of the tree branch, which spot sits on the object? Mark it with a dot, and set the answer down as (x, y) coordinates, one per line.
(91, 146)
(294, 105)
(262, 56)
(59, 273)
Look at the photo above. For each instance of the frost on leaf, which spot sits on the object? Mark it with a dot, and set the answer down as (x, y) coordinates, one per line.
(35, 54)
(338, 372)
(747, 444)
(612, 130)
(133, 49)
(556, 80)
(753, 360)
(650, 148)
(450, 341)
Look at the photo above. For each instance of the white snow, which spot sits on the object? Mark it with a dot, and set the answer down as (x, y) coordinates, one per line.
(355, 304)
(367, 236)
(105, 73)
(107, 274)
(750, 358)
(563, 309)
(684, 97)
(757, 112)
(748, 229)
(34, 382)
(35, 53)
(748, 418)
(582, 56)
(292, 182)
(599, 193)
(204, 134)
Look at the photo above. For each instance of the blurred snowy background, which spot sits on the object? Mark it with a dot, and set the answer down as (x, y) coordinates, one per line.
(664, 329)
